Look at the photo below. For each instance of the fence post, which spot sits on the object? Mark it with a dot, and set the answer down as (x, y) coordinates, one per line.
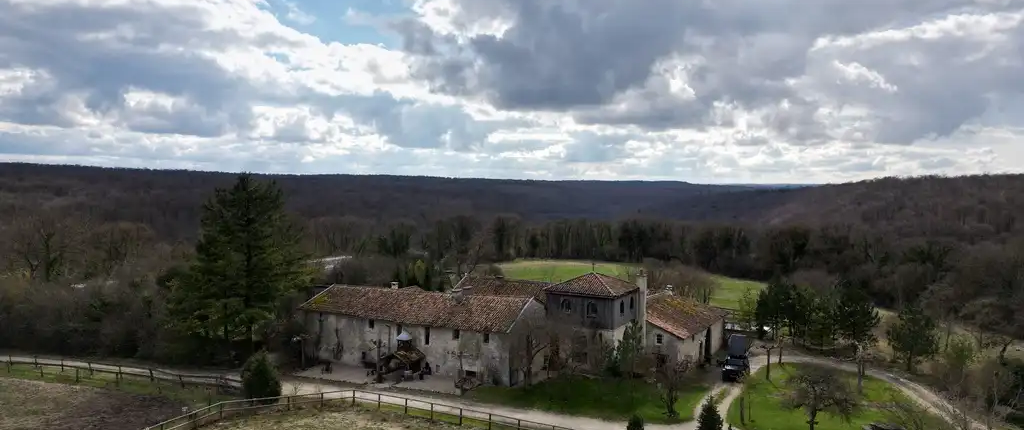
(353, 397)
(90, 368)
(76, 375)
(119, 373)
(490, 421)
(40, 371)
(378, 401)
(519, 423)
(431, 412)
(182, 381)
(151, 377)
(288, 402)
(407, 406)
(62, 365)
(35, 360)
(460, 416)
(321, 399)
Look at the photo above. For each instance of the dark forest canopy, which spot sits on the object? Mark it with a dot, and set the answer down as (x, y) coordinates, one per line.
(966, 209)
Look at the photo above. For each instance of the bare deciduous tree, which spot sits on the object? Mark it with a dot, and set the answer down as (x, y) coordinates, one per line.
(671, 377)
(529, 338)
(819, 389)
(45, 243)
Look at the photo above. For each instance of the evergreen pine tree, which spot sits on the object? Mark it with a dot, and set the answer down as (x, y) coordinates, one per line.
(259, 378)
(247, 259)
(913, 337)
(857, 316)
(636, 422)
(709, 418)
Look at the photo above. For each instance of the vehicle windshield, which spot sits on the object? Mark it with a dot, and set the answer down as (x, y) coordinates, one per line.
(734, 362)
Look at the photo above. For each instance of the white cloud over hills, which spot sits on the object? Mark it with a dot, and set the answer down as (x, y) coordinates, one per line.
(702, 91)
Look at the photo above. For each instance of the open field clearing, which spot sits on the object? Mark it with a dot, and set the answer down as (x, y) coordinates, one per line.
(347, 417)
(53, 406)
(559, 270)
(726, 295)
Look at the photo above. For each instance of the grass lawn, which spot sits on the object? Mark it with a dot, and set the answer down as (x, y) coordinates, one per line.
(604, 398)
(731, 290)
(559, 270)
(727, 295)
(767, 413)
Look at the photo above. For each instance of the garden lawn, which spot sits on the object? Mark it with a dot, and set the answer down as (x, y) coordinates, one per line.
(767, 412)
(604, 398)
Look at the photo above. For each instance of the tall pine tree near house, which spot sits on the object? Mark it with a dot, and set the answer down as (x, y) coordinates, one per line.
(247, 259)
(709, 418)
(913, 337)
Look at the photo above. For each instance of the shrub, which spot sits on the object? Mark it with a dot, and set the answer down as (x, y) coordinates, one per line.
(636, 422)
(259, 378)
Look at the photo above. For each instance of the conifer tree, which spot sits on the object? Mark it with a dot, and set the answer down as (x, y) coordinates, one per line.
(709, 418)
(259, 378)
(913, 337)
(247, 259)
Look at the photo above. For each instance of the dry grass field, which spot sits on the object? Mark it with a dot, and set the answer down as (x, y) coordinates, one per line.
(337, 417)
(28, 405)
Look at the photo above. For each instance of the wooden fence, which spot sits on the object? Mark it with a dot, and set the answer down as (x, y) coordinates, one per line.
(118, 372)
(412, 407)
(226, 383)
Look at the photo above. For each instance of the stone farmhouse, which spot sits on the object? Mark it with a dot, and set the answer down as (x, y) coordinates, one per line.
(471, 332)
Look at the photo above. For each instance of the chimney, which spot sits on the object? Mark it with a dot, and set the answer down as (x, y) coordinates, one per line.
(467, 290)
(457, 294)
(641, 283)
(668, 289)
(394, 285)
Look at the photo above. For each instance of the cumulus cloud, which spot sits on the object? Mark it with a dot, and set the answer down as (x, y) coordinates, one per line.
(707, 91)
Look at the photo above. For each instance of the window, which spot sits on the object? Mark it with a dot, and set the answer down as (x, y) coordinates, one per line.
(565, 305)
(487, 338)
(591, 309)
(631, 303)
(455, 335)
(658, 339)
(399, 331)
(622, 307)
(426, 335)
(371, 323)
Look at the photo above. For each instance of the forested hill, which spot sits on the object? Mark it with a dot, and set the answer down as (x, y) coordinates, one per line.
(968, 209)
(169, 201)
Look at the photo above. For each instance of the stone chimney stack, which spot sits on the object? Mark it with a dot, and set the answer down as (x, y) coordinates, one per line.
(457, 294)
(394, 285)
(467, 290)
(641, 283)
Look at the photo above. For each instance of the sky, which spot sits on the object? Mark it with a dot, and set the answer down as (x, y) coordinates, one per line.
(711, 91)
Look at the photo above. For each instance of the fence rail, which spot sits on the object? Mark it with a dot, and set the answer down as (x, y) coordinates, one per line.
(227, 383)
(83, 368)
(418, 408)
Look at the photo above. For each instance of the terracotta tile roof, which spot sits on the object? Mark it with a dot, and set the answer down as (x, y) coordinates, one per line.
(492, 286)
(479, 313)
(681, 316)
(593, 284)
